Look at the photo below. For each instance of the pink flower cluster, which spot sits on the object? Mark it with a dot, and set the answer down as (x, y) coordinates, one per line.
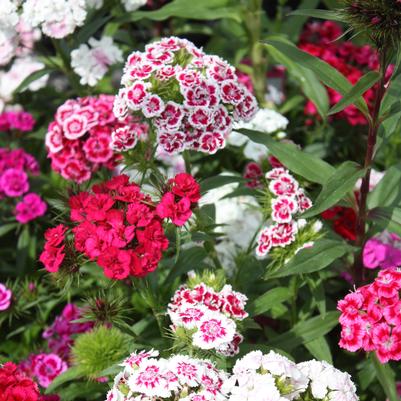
(15, 165)
(79, 139)
(190, 98)
(121, 228)
(44, 368)
(209, 316)
(383, 251)
(371, 317)
(288, 200)
(179, 377)
(60, 335)
(253, 173)
(5, 297)
(321, 40)
(16, 120)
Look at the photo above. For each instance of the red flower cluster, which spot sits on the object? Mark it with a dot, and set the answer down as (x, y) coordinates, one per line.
(121, 228)
(79, 140)
(253, 173)
(14, 386)
(344, 221)
(371, 317)
(353, 61)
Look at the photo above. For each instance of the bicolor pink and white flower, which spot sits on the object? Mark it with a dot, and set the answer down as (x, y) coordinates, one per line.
(178, 377)
(209, 316)
(179, 89)
(283, 208)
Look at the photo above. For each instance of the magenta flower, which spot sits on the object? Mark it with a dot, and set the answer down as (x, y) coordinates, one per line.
(5, 297)
(31, 207)
(14, 182)
(383, 251)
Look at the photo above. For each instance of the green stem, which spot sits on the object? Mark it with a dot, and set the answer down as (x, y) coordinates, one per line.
(253, 25)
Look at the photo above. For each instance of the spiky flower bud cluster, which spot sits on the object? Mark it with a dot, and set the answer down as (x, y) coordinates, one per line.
(380, 19)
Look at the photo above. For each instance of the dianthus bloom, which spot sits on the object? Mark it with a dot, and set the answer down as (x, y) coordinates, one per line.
(178, 377)
(60, 335)
(121, 228)
(325, 382)
(190, 98)
(371, 317)
(92, 61)
(15, 386)
(15, 165)
(382, 251)
(321, 39)
(257, 376)
(16, 120)
(209, 316)
(287, 202)
(30, 208)
(5, 297)
(79, 140)
(44, 368)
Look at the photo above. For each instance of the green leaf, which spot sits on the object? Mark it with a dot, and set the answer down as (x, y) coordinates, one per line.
(89, 29)
(6, 228)
(306, 331)
(188, 259)
(294, 28)
(387, 218)
(218, 181)
(199, 10)
(304, 164)
(70, 374)
(386, 376)
(322, 14)
(309, 82)
(310, 260)
(319, 348)
(341, 182)
(388, 191)
(268, 300)
(364, 83)
(32, 78)
(324, 71)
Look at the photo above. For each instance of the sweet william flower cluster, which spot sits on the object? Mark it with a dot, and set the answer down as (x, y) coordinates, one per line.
(179, 377)
(79, 139)
(288, 201)
(273, 377)
(121, 228)
(371, 317)
(209, 317)
(15, 168)
(190, 98)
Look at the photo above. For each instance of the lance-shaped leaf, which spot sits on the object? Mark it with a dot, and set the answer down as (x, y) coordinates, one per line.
(313, 259)
(322, 14)
(304, 164)
(365, 83)
(324, 71)
(336, 188)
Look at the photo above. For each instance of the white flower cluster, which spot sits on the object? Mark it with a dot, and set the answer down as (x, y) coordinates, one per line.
(16, 37)
(91, 61)
(180, 377)
(325, 382)
(265, 120)
(57, 19)
(273, 377)
(209, 317)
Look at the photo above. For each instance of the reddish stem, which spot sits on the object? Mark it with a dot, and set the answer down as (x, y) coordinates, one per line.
(374, 126)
